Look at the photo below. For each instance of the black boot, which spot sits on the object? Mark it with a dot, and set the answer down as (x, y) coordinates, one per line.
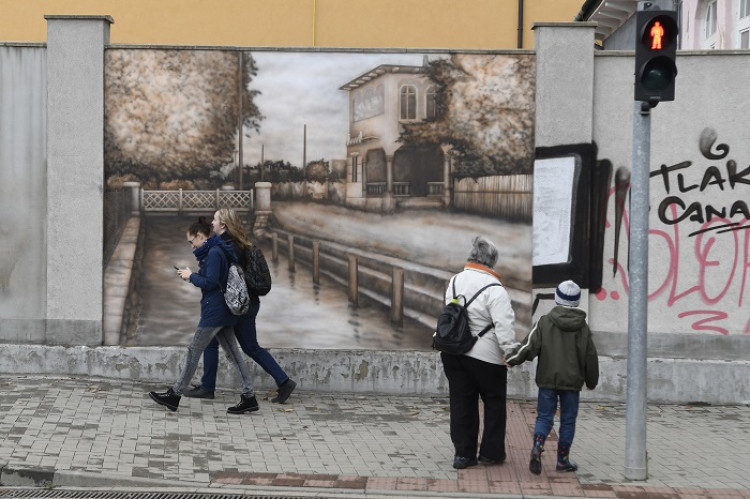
(563, 458)
(247, 404)
(286, 389)
(535, 463)
(168, 399)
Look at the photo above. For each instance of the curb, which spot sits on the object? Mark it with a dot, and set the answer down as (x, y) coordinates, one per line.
(48, 478)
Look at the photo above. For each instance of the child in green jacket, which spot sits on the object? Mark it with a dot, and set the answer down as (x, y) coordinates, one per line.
(567, 359)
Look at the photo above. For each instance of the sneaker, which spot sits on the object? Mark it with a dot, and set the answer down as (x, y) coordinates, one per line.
(487, 461)
(464, 462)
(286, 389)
(168, 399)
(247, 404)
(198, 392)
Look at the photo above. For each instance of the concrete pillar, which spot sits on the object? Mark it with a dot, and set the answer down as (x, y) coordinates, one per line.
(262, 208)
(75, 178)
(262, 196)
(564, 83)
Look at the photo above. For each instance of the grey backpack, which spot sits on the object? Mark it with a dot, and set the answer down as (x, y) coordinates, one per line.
(235, 292)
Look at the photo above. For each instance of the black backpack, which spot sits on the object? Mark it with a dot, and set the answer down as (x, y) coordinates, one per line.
(257, 274)
(452, 334)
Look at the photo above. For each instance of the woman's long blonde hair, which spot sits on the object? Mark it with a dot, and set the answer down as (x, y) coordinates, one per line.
(229, 219)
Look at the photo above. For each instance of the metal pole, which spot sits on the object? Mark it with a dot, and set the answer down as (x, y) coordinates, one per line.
(240, 141)
(636, 465)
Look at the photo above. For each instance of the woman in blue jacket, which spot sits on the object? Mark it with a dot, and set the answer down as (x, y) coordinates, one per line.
(214, 257)
(227, 226)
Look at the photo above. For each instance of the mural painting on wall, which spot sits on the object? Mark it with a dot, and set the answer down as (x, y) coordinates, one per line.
(382, 168)
(699, 242)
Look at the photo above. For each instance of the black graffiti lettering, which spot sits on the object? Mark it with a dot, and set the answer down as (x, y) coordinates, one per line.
(739, 208)
(664, 171)
(664, 206)
(681, 184)
(695, 212)
(737, 178)
(712, 212)
(696, 215)
(707, 139)
(712, 176)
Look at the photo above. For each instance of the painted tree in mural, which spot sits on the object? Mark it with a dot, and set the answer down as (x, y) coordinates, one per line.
(485, 112)
(173, 114)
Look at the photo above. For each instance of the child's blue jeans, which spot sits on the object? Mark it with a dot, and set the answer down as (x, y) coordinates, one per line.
(545, 413)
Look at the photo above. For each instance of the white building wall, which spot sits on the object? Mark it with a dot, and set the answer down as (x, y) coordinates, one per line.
(731, 21)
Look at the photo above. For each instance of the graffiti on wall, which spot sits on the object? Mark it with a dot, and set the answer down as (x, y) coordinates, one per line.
(699, 243)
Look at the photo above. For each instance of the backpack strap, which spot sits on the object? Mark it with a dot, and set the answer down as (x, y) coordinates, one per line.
(229, 264)
(490, 325)
(480, 292)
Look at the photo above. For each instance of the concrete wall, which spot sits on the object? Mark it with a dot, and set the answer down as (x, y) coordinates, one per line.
(23, 203)
(698, 320)
(698, 281)
(372, 372)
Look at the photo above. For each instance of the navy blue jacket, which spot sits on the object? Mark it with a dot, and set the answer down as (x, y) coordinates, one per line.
(212, 275)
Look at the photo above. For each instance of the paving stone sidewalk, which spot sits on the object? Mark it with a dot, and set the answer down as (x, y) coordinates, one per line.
(83, 429)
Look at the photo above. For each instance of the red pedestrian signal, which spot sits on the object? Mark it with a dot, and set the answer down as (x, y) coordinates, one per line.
(656, 32)
(655, 50)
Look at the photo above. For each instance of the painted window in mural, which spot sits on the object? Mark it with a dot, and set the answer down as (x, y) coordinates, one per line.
(437, 154)
(408, 103)
(430, 103)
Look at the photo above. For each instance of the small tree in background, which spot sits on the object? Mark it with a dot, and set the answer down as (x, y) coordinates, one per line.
(172, 114)
(318, 171)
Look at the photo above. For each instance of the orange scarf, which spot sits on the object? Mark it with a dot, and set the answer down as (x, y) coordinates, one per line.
(483, 268)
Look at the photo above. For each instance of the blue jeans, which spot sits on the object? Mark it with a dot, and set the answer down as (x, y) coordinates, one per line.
(247, 336)
(202, 337)
(545, 413)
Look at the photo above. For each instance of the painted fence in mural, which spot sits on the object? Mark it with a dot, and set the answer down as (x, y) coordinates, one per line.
(505, 196)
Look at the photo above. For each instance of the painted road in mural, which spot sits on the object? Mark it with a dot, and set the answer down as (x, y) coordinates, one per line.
(296, 313)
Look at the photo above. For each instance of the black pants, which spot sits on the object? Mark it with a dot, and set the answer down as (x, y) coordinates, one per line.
(469, 379)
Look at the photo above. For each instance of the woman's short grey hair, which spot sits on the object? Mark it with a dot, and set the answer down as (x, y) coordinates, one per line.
(483, 251)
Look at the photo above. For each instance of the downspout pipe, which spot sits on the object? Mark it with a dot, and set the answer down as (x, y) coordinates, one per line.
(520, 24)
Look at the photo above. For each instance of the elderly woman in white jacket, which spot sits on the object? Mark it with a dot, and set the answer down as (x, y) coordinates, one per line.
(480, 372)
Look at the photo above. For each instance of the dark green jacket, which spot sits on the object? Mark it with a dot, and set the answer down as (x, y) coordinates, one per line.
(567, 355)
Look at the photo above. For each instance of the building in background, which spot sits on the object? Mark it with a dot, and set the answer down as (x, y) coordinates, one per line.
(704, 24)
(480, 24)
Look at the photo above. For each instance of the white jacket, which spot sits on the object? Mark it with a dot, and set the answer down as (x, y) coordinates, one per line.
(491, 306)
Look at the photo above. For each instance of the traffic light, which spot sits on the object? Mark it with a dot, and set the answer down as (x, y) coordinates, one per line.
(655, 49)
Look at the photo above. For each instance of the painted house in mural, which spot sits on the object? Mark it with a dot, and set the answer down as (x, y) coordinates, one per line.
(382, 172)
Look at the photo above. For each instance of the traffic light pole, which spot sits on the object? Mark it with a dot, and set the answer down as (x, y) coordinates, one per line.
(636, 465)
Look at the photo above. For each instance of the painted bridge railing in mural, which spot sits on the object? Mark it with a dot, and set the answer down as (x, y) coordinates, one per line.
(407, 288)
(181, 200)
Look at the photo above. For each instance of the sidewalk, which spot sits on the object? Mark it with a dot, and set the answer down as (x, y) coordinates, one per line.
(76, 432)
